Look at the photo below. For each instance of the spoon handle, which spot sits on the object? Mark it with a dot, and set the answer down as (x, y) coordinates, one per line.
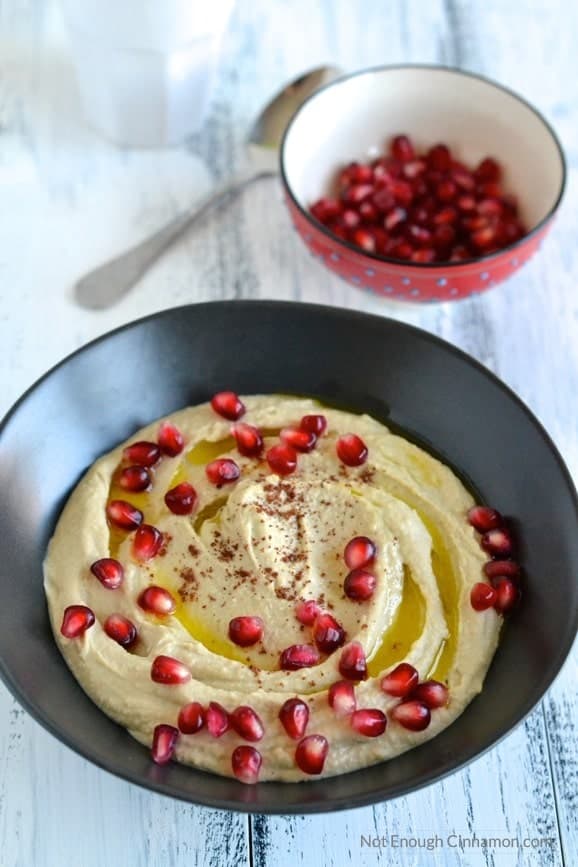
(108, 283)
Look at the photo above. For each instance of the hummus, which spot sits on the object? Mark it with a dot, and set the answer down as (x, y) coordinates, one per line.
(256, 547)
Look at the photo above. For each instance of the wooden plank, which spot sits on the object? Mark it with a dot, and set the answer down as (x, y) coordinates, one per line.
(477, 802)
(526, 331)
(58, 809)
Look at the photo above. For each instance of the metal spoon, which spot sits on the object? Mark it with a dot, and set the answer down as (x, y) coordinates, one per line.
(109, 282)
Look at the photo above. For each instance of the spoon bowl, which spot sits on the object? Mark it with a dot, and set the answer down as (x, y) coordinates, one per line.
(265, 136)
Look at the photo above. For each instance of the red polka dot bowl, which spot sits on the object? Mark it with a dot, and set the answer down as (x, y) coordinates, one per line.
(353, 119)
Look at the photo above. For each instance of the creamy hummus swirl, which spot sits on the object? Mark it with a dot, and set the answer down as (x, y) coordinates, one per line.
(257, 547)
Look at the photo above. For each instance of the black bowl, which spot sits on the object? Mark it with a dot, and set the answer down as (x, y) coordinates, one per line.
(99, 395)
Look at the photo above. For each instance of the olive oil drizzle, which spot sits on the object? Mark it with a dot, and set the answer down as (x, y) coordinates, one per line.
(397, 639)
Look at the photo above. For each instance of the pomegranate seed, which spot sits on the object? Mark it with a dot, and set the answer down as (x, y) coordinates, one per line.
(421, 193)
(350, 219)
(328, 634)
(412, 715)
(473, 224)
(298, 656)
(191, 718)
(360, 585)
(248, 438)
(482, 596)
(216, 719)
(383, 200)
(418, 234)
(443, 237)
(444, 216)
(507, 595)
(245, 631)
(400, 249)
(222, 471)
(439, 158)
(356, 193)
(165, 739)
(368, 212)
(307, 612)
(381, 239)
(402, 193)
(300, 440)
(413, 169)
(228, 404)
(120, 629)
(490, 190)
(381, 176)
(351, 450)
(370, 722)
(147, 543)
(425, 255)
(109, 572)
(502, 569)
(123, 515)
(401, 680)
(483, 238)
(466, 204)
(326, 209)
(488, 170)
(143, 453)
(340, 231)
(498, 542)
(432, 693)
(364, 239)
(76, 620)
(490, 208)
(282, 459)
(392, 166)
(294, 716)
(135, 479)
(394, 218)
(246, 763)
(247, 723)
(170, 439)
(446, 191)
(510, 231)
(420, 215)
(358, 173)
(464, 179)
(316, 424)
(157, 600)
(170, 671)
(483, 518)
(182, 499)
(359, 552)
(402, 148)
(341, 698)
(352, 664)
(311, 753)
(460, 254)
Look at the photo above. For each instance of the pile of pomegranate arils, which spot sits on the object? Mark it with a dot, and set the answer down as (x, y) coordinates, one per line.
(422, 208)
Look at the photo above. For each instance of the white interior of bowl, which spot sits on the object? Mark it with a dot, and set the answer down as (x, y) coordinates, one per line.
(355, 118)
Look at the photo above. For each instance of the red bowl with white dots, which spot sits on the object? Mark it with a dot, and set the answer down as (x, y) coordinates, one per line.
(353, 119)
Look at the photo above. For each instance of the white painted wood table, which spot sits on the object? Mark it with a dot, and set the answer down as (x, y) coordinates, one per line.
(68, 200)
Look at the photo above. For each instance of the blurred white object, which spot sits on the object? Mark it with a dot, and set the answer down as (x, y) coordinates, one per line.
(145, 68)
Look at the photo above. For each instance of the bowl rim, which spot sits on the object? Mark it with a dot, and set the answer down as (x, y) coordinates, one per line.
(431, 266)
(311, 806)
